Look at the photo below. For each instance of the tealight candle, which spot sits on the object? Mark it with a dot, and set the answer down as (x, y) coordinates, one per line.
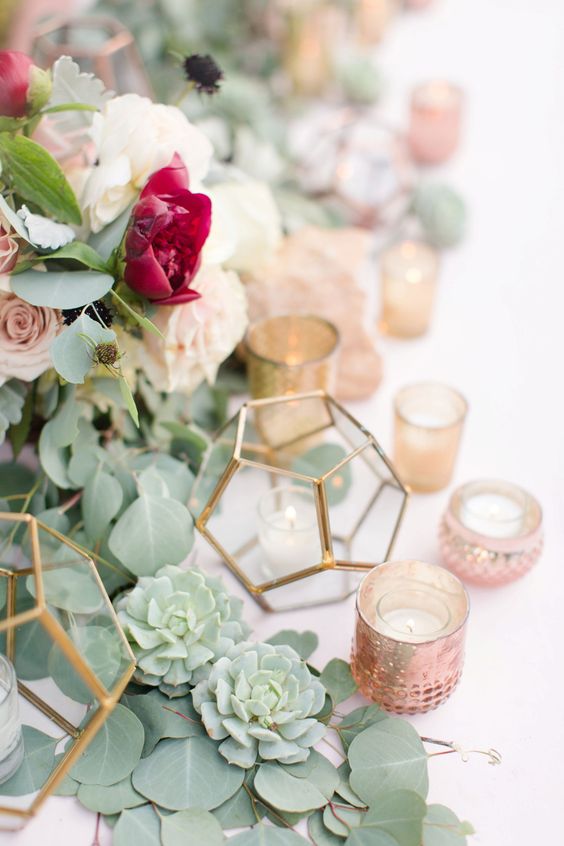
(435, 119)
(491, 533)
(288, 531)
(428, 425)
(408, 278)
(408, 647)
(11, 741)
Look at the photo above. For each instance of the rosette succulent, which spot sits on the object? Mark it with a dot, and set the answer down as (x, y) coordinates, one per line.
(261, 701)
(178, 623)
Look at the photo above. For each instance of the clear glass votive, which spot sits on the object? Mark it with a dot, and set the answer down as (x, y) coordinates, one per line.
(288, 531)
(435, 121)
(408, 280)
(291, 354)
(491, 533)
(11, 741)
(429, 418)
(408, 647)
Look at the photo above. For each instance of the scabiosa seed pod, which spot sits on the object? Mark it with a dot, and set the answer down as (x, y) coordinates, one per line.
(204, 72)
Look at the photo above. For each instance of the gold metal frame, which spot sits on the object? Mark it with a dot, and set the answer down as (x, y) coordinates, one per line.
(329, 560)
(107, 700)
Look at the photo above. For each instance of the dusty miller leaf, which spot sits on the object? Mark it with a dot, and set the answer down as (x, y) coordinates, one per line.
(70, 85)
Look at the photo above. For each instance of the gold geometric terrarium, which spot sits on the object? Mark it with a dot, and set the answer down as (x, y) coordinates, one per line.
(299, 499)
(72, 661)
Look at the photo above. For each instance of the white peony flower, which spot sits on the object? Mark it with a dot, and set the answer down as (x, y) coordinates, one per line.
(133, 137)
(198, 335)
(45, 233)
(246, 226)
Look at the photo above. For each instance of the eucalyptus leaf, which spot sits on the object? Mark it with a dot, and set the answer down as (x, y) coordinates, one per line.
(305, 643)
(287, 792)
(370, 837)
(37, 764)
(152, 532)
(33, 649)
(54, 459)
(341, 820)
(320, 835)
(72, 354)
(101, 501)
(68, 786)
(441, 827)
(19, 430)
(128, 400)
(178, 478)
(357, 721)
(387, 756)
(84, 463)
(114, 752)
(53, 518)
(111, 799)
(73, 589)
(62, 288)
(101, 648)
(139, 826)
(344, 789)
(267, 835)
(12, 398)
(65, 422)
(179, 773)
(239, 810)
(191, 826)
(157, 713)
(400, 814)
(151, 482)
(15, 478)
(338, 680)
(318, 461)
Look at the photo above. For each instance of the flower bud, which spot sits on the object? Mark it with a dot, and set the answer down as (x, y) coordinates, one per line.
(24, 88)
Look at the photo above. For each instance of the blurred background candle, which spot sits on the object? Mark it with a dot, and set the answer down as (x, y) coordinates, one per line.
(408, 647)
(428, 425)
(434, 131)
(408, 280)
(372, 18)
(11, 742)
(288, 531)
(491, 533)
(312, 35)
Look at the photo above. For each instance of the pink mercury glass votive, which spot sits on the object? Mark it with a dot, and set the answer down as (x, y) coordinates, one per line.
(434, 131)
(408, 646)
(491, 533)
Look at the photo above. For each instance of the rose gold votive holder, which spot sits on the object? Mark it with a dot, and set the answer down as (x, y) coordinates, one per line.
(408, 646)
(291, 354)
(491, 533)
(408, 281)
(435, 119)
(429, 418)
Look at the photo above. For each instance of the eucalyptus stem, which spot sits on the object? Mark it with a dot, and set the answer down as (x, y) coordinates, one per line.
(96, 841)
(493, 755)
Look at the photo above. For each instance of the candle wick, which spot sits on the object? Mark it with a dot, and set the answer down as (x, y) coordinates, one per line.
(291, 515)
(410, 626)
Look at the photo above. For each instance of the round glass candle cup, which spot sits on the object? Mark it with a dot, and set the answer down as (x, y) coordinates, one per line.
(428, 425)
(435, 120)
(311, 40)
(408, 281)
(291, 354)
(288, 532)
(372, 18)
(11, 740)
(408, 646)
(491, 533)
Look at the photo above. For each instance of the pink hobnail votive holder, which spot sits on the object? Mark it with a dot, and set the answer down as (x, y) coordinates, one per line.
(408, 646)
(491, 549)
(435, 121)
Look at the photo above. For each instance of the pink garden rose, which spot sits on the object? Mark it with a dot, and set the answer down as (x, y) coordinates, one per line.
(26, 335)
(169, 227)
(8, 252)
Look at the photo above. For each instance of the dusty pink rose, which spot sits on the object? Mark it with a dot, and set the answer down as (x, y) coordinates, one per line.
(8, 252)
(26, 335)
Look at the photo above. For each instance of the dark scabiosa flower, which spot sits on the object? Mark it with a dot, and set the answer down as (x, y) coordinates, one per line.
(96, 311)
(107, 354)
(204, 72)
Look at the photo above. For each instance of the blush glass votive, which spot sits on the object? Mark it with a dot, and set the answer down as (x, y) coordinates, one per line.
(491, 533)
(408, 647)
(291, 354)
(428, 425)
(408, 280)
(435, 119)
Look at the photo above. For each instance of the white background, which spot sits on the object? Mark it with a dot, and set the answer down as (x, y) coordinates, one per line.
(497, 337)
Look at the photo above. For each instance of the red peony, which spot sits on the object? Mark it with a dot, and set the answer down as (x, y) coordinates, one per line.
(15, 77)
(168, 230)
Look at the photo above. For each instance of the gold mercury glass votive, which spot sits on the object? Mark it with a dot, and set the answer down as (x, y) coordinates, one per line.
(491, 533)
(435, 119)
(428, 425)
(408, 281)
(291, 354)
(408, 646)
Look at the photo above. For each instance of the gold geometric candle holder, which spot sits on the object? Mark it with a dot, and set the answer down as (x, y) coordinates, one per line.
(298, 499)
(72, 661)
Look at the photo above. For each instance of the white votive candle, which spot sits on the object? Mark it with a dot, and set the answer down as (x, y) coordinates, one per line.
(492, 514)
(413, 614)
(288, 531)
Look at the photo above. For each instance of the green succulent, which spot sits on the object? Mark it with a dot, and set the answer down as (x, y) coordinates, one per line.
(441, 212)
(261, 701)
(178, 622)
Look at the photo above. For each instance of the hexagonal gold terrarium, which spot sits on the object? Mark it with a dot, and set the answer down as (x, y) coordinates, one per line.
(72, 661)
(299, 499)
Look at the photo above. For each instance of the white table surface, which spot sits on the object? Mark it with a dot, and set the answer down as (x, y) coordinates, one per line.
(496, 336)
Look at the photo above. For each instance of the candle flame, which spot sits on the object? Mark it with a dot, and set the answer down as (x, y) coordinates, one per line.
(291, 515)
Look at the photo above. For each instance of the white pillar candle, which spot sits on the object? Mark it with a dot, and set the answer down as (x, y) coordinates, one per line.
(11, 743)
(288, 531)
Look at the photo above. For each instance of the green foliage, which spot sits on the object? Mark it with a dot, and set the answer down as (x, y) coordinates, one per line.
(139, 826)
(304, 643)
(191, 826)
(264, 835)
(161, 718)
(338, 681)
(441, 827)
(114, 752)
(62, 288)
(111, 799)
(284, 790)
(101, 501)
(12, 400)
(38, 762)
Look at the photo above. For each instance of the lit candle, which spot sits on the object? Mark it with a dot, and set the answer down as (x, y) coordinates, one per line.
(288, 531)
(428, 426)
(11, 743)
(434, 131)
(409, 641)
(491, 533)
(408, 277)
